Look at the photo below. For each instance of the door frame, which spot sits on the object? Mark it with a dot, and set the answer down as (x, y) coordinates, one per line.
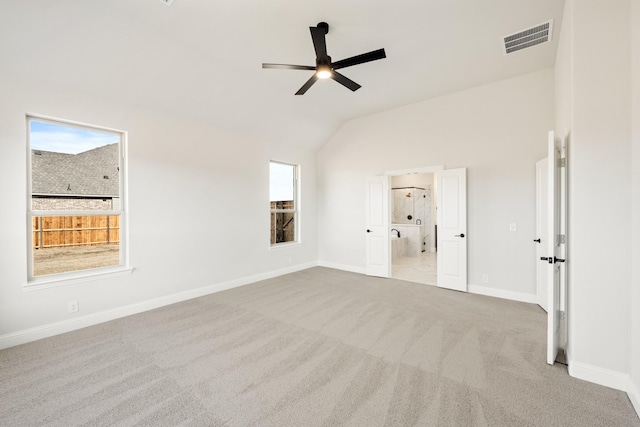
(557, 223)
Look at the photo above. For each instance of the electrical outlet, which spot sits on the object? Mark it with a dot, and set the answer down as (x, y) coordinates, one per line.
(485, 278)
(513, 227)
(73, 306)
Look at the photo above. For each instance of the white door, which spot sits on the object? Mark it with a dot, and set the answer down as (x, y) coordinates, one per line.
(452, 229)
(542, 238)
(378, 251)
(554, 256)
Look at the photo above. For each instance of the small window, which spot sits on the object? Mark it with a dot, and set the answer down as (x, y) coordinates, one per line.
(75, 198)
(283, 181)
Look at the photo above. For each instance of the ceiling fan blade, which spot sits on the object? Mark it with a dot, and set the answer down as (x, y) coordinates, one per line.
(289, 66)
(344, 81)
(319, 42)
(307, 85)
(359, 59)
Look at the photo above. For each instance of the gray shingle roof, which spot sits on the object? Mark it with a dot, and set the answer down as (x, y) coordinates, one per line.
(81, 174)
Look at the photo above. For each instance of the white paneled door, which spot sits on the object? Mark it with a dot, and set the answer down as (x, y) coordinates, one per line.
(452, 229)
(378, 251)
(542, 235)
(554, 258)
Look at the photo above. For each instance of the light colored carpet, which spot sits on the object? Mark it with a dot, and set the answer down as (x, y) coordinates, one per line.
(319, 347)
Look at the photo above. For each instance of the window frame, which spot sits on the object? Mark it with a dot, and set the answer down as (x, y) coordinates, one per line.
(45, 281)
(296, 204)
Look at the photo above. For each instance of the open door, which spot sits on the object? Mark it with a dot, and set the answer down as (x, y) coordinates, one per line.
(542, 238)
(555, 240)
(452, 229)
(378, 251)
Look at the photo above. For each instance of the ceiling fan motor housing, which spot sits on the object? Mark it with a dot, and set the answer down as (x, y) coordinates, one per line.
(323, 61)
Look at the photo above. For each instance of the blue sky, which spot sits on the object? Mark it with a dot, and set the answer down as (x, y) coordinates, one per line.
(67, 139)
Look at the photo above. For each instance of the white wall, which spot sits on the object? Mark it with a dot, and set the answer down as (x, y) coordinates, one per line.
(593, 103)
(497, 131)
(199, 207)
(634, 355)
(421, 180)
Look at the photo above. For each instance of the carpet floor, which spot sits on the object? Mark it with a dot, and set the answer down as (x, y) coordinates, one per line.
(319, 347)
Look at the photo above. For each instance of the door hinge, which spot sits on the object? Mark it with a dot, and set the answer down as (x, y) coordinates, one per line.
(563, 315)
(562, 162)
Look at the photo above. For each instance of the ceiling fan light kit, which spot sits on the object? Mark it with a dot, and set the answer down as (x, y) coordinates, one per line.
(324, 71)
(325, 68)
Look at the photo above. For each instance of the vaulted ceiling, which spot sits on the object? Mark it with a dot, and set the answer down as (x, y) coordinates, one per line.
(202, 58)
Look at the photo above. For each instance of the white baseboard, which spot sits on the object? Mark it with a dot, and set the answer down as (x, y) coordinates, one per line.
(343, 267)
(501, 293)
(51, 329)
(634, 396)
(607, 378)
(474, 289)
(597, 375)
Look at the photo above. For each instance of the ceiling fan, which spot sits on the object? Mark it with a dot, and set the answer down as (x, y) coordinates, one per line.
(324, 68)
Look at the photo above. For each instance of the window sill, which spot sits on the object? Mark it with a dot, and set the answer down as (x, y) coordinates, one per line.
(278, 246)
(64, 279)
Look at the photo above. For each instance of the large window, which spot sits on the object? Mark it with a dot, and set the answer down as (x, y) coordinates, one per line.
(75, 198)
(283, 189)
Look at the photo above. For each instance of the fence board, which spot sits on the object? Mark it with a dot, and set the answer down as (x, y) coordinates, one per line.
(76, 230)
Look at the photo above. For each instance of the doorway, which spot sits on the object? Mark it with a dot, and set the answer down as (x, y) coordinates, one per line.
(414, 255)
(450, 234)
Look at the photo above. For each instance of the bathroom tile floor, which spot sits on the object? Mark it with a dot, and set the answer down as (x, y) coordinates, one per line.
(419, 269)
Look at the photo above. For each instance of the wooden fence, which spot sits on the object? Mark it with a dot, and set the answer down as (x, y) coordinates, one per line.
(282, 226)
(57, 231)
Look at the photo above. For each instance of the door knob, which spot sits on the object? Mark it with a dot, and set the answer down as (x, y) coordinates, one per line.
(459, 235)
(544, 258)
(536, 240)
(557, 260)
(368, 231)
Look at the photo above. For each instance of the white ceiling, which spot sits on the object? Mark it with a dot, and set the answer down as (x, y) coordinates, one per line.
(202, 58)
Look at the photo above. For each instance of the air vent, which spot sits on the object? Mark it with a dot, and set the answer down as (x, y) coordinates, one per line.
(167, 2)
(527, 38)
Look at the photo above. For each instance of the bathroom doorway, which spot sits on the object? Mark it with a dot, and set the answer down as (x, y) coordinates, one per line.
(414, 252)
